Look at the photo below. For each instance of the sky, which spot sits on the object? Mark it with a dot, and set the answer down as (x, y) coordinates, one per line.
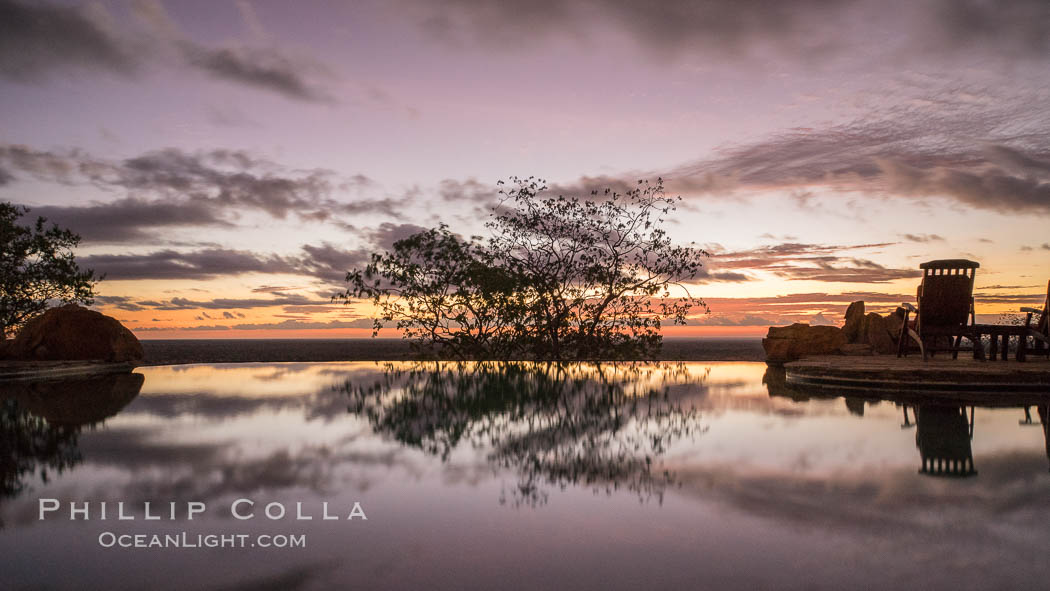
(227, 162)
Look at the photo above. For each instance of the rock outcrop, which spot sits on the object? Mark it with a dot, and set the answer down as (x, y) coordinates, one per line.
(74, 333)
(854, 321)
(862, 334)
(878, 334)
(788, 343)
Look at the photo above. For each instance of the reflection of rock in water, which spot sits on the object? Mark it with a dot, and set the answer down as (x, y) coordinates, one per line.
(601, 426)
(775, 380)
(40, 422)
(855, 406)
(79, 401)
(943, 437)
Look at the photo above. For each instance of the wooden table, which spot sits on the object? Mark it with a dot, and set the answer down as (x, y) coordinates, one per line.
(1003, 331)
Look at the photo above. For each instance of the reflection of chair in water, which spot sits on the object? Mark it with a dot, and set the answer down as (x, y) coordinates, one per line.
(943, 437)
(1043, 412)
(945, 309)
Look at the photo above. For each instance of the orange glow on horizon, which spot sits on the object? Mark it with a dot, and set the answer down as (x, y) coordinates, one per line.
(362, 333)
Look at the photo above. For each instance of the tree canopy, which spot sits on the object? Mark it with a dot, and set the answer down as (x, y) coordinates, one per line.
(37, 269)
(558, 278)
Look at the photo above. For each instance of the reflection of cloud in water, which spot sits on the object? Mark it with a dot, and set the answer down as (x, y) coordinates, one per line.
(137, 448)
(299, 577)
(600, 427)
(978, 519)
(215, 472)
(894, 498)
(211, 407)
(225, 392)
(251, 379)
(769, 488)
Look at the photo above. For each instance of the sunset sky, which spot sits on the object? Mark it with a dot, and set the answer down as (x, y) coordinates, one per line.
(226, 162)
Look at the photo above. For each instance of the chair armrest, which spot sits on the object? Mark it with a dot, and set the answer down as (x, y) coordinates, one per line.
(1031, 310)
(909, 307)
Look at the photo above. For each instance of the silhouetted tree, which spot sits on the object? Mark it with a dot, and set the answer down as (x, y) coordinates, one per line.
(37, 268)
(558, 278)
(448, 294)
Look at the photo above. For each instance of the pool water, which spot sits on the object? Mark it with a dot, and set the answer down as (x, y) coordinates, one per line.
(519, 476)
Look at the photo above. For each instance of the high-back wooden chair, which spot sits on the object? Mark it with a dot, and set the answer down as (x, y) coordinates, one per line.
(944, 311)
(1040, 331)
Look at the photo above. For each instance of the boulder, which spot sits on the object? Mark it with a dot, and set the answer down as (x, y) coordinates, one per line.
(894, 322)
(788, 343)
(71, 332)
(879, 335)
(778, 351)
(787, 332)
(854, 322)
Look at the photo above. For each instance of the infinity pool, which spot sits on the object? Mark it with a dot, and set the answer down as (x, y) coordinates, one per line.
(694, 475)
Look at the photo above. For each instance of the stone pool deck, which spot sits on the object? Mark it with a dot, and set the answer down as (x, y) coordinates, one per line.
(940, 375)
(14, 371)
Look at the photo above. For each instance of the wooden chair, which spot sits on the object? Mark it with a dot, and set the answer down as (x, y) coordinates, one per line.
(944, 311)
(1040, 332)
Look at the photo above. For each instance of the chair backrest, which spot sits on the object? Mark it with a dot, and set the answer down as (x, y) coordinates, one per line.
(946, 292)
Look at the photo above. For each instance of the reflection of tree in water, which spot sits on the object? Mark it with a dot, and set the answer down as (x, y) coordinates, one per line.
(40, 423)
(555, 424)
(30, 446)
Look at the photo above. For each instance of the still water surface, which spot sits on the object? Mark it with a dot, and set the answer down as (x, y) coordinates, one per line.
(695, 475)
